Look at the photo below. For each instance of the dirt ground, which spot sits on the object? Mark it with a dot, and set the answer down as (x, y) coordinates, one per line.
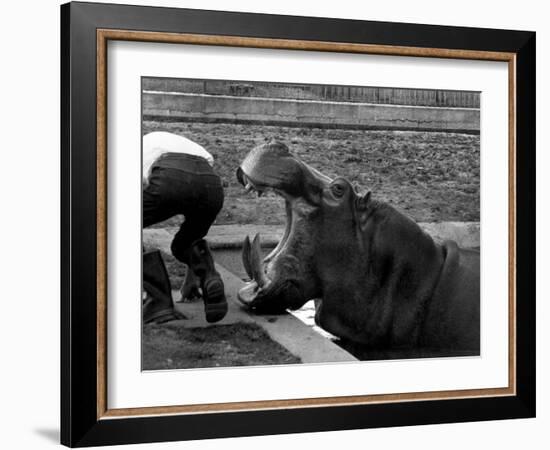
(431, 176)
(242, 344)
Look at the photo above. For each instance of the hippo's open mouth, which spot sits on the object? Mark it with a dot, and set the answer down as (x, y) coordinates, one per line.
(282, 280)
(271, 290)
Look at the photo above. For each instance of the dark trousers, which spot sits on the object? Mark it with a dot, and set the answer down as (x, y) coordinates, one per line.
(183, 184)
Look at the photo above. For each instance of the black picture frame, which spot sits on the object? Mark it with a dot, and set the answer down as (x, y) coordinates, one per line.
(80, 424)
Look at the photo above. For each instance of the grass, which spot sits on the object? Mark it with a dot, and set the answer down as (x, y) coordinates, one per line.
(241, 344)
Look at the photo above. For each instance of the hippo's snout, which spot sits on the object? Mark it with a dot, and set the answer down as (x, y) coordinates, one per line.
(270, 294)
(284, 279)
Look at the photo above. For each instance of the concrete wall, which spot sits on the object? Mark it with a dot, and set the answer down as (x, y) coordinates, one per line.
(237, 109)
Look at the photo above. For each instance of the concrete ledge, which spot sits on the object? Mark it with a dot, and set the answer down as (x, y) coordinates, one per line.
(225, 108)
(298, 338)
(465, 234)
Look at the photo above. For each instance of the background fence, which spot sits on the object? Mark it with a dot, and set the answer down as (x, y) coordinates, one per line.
(311, 105)
(354, 94)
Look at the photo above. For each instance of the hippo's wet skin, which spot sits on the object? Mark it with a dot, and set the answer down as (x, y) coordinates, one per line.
(379, 280)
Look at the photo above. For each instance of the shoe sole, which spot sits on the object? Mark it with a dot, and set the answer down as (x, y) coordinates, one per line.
(215, 304)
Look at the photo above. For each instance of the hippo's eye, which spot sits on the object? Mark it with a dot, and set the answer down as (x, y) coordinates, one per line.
(337, 190)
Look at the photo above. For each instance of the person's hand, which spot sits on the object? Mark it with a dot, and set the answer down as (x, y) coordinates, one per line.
(190, 288)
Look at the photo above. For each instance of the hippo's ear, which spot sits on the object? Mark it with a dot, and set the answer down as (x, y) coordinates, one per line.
(362, 209)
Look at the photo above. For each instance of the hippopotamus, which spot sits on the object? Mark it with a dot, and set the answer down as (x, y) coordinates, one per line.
(378, 280)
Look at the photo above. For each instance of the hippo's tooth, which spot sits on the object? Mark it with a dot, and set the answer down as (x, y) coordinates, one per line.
(246, 257)
(248, 187)
(255, 262)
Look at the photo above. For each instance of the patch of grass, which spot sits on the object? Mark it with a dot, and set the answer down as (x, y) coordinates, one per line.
(175, 347)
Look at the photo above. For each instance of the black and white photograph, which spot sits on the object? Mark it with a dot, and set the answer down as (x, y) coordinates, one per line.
(288, 221)
(293, 223)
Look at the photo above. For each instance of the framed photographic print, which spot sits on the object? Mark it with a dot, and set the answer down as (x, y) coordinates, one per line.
(276, 224)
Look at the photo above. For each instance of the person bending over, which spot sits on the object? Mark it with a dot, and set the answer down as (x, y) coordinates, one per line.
(178, 178)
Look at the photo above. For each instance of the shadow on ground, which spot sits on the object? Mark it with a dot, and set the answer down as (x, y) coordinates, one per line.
(50, 434)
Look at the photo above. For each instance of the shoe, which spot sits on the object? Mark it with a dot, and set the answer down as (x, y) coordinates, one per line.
(157, 306)
(215, 303)
(202, 264)
(152, 314)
